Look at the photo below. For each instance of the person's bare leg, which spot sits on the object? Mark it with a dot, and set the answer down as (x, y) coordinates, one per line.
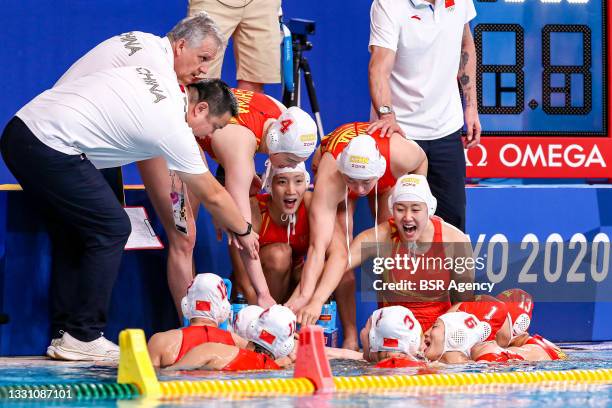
(241, 281)
(154, 173)
(345, 292)
(250, 86)
(276, 265)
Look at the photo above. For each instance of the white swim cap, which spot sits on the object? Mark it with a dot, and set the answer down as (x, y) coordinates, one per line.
(394, 328)
(206, 298)
(413, 187)
(244, 318)
(461, 332)
(272, 171)
(274, 330)
(293, 132)
(361, 159)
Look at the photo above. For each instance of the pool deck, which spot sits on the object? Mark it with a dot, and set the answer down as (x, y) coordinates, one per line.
(38, 361)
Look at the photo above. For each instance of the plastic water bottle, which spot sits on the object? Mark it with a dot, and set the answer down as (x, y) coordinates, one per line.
(239, 303)
(328, 320)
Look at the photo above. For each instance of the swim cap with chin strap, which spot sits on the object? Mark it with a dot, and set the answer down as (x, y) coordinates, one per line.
(394, 328)
(268, 179)
(206, 298)
(293, 132)
(413, 187)
(520, 309)
(244, 318)
(274, 330)
(361, 160)
(461, 332)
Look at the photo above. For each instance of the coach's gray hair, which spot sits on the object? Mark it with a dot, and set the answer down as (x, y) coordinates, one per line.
(195, 29)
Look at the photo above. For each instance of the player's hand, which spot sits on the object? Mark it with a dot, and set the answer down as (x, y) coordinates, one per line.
(310, 313)
(387, 125)
(472, 124)
(296, 303)
(265, 301)
(250, 243)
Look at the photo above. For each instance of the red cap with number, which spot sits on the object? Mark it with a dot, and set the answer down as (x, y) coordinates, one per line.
(491, 312)
(520, 307)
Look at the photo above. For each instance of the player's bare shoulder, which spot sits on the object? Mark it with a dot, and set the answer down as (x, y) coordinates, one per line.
(450, 233)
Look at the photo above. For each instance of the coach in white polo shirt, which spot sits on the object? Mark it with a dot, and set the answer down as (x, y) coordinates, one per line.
(419, 49)
(185, 52)
(54, 146)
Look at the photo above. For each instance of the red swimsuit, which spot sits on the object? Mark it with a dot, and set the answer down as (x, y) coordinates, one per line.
(438, 301)
(271, 233)
(545, 345)
(397, 362)
(337, 140)
(254, 109)
(501, 357)
(250, 360)
(195, 335)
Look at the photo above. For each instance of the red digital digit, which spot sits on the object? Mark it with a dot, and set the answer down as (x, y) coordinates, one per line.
(525, 303)
(222, 290)
(409, 322)
(285, 125)
(470, 323)
(378, 319)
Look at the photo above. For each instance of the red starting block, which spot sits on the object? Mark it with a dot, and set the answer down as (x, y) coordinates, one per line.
(311, 361)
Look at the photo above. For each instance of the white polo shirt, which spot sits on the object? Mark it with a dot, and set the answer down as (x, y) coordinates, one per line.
(116, 117)
(134, 48)
(426, 40)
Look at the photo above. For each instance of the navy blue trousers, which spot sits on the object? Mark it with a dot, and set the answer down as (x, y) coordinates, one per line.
(87, 226)
(446, 176)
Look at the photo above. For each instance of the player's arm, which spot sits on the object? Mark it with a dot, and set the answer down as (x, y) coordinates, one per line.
(322, 219)
(222, 207)
(407, 157)
(239, 341)
(460, 249)
(335, 267)
(340, 353)
(235, 151)
(240, 274)
(159, 344)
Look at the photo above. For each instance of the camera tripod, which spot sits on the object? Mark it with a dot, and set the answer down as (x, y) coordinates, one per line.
(300, 44)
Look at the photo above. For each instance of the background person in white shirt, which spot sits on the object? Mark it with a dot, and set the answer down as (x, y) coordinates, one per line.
(186, 52)
(419, 49)
(54, 146)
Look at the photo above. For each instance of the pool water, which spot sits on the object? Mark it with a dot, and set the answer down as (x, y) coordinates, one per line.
(36, 371)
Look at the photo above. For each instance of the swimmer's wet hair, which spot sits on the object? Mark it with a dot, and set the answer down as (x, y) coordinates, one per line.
(217, 94)
(195, 29)
(263, 350)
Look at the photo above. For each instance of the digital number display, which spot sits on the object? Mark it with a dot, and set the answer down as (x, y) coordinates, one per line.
(541, 67)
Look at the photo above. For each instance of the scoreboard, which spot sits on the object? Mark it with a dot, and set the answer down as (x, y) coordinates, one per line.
(542, 89)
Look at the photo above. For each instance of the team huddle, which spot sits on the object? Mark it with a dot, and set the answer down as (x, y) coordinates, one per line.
(140, 98)
(487, 330)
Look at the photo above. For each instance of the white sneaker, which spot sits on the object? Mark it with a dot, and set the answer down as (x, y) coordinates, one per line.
(53, 346)
(72, 349)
